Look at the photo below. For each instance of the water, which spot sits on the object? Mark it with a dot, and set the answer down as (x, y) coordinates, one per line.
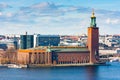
(111, 72)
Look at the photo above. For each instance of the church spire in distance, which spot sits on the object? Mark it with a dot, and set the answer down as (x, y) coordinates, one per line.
(93, 19)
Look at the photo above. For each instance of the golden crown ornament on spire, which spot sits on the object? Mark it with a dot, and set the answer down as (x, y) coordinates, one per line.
(93, 19)
(93, 14)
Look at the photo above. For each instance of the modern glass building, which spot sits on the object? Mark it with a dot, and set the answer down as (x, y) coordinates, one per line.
(47, 40)
(26, 41)
(3, 46)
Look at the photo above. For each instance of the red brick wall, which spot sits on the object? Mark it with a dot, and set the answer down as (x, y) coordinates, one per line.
(66, 58)
(34, 58)
(93, 42)
(23, 57)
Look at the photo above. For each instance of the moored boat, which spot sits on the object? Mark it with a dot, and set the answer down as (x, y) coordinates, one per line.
(17, 66)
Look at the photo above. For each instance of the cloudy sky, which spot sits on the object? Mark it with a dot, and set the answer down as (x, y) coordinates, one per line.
(58, 16)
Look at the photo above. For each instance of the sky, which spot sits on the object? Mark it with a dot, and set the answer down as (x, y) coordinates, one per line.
(64, 17)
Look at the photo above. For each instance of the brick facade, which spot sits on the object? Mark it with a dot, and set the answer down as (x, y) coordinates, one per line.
(93, 44)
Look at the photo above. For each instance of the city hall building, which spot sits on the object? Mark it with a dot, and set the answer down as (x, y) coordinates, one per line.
(64, 55)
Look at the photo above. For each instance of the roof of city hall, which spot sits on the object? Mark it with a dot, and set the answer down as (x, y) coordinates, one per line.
(56, 49)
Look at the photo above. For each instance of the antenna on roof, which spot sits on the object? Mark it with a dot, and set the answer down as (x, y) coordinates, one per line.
(26, 32)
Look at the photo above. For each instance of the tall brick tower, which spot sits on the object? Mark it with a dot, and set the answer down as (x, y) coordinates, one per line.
(93, 39)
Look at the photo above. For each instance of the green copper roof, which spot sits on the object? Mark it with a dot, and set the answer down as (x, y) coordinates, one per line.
(61, 49)
(69, 49)
(93, 20)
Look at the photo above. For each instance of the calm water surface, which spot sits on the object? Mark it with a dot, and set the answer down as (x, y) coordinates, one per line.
(111, 72)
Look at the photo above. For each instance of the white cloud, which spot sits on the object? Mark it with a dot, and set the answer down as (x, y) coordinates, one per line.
(49, 18)
(1, 14)
(4, 5)
(44, 5)
(41, 9)
(112, 21)
(9, 14)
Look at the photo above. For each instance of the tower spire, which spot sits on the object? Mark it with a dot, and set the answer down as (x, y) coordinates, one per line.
(93, 19)
(93, 39)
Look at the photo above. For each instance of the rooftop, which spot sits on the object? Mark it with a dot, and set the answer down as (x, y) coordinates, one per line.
(56, 49)
(48, 35)
(69, 49)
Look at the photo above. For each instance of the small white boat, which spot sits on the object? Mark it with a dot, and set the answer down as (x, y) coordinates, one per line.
(114, 60)
(14, 66)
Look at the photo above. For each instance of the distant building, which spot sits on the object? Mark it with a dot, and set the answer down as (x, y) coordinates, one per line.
(16, 44)
(26, 41)
(35, 36)
(111, 41)
(47, 40)
(10, 43)
(109, 51)
(57, 55)
(3, 46)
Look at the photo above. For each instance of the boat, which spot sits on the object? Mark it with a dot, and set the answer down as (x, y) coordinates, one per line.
(114, 59)
(17, 66)
(14, 66)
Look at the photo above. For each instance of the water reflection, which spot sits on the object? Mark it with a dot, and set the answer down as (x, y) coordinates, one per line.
(67, 73)
(63, 73)
(92, 73)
